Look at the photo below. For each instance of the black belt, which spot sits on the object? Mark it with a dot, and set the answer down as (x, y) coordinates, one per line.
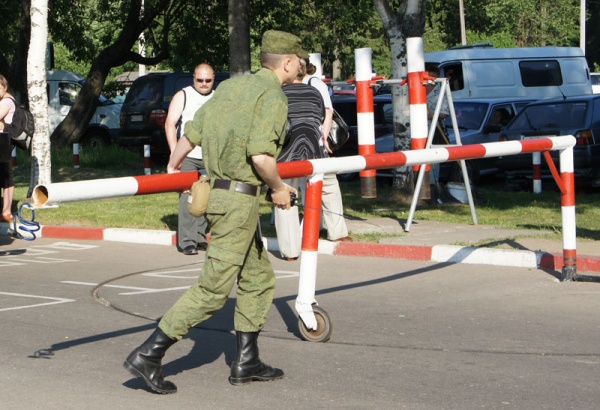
(241, 187)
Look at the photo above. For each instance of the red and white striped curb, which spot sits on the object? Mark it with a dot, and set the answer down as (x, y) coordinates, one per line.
(435, 253)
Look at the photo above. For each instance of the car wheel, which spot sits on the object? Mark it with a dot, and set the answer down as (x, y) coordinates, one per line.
(95, 138)
(456, 174)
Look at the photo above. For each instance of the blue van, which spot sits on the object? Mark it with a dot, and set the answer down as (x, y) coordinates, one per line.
(482, 71)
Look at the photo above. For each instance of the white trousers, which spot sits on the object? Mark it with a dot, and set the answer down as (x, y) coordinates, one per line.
(287, 222)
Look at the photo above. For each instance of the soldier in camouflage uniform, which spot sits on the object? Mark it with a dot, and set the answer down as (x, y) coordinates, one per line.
(241, 131)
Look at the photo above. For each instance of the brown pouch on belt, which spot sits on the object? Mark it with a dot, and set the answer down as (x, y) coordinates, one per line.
(198, 201)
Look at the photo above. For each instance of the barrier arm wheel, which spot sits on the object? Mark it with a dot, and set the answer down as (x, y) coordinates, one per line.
(324, 328)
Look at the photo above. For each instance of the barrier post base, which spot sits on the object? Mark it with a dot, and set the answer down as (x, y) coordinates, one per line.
(568, 273)
(368, 187)
(425, 192)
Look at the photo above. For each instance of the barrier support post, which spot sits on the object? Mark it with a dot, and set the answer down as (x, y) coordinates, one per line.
(365, 118)
(569, 269)
(147, 168)
(76, 155)
(537, 172)
(310, 246)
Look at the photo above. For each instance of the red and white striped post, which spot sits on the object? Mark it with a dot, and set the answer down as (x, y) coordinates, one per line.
(76, 155)
(147, 168)
(569, 227)
(365, 117)
(537, 172)
(315, 59)
(13, 156)
(417, 95)
(307, 280)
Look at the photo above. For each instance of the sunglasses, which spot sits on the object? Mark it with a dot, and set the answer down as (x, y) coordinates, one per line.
(204, 80)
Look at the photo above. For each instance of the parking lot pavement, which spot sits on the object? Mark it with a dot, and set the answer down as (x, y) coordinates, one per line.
(406, 334)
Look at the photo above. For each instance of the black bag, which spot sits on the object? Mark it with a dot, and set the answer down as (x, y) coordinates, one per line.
(22, 127)
(338, 135)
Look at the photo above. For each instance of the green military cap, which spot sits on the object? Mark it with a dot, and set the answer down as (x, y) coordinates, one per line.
(280, 42)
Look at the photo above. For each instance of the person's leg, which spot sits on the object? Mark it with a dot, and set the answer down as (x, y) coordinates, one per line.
(188, 226)
(256, 287)
(287, 226)
(8, 189)
(333, 209)
(233, 220)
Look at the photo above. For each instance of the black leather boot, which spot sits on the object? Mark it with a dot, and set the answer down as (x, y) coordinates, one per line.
(247, 366)
(145, 362)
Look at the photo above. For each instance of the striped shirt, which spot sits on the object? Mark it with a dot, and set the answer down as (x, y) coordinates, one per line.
(306, 111)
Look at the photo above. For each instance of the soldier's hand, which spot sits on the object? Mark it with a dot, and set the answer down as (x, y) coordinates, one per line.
(281, 197)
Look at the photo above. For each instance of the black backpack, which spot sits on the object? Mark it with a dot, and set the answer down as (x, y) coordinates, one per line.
(22, 127)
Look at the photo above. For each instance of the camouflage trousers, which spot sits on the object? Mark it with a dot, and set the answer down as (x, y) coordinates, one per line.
(232, 256)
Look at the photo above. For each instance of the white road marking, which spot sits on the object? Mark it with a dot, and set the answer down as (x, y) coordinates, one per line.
(55, 301)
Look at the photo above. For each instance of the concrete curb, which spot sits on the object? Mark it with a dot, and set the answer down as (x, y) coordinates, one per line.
(436, 253)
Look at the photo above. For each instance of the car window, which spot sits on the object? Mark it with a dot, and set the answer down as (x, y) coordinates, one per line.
(383, 113)
(388, 113)
(347, 109)
(552, 116)
(501, 116)
(148, 90)
(468, 115)
(542, 73)
(67, 93)
(182, 82)
(520, 105)
(454, 73)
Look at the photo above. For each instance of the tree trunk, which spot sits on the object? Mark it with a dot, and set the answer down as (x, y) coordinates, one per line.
(71, 129)
(239, 37)
(38, 100)
(407, 21)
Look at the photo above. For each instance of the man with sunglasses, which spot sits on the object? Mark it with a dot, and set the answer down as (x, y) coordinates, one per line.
(191, 231)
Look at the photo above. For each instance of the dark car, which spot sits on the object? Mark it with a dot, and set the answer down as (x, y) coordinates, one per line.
(478, 121)
(145, 109)
(383, 114)
(577, 116)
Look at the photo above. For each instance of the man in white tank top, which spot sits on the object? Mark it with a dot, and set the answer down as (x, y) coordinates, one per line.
(191, 231)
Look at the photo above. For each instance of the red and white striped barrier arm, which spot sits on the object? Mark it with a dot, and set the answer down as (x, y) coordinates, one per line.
(422, 156)
(152, 184)
(62, 192)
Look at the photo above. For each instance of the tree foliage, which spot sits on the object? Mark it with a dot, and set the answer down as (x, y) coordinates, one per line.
(192, 31)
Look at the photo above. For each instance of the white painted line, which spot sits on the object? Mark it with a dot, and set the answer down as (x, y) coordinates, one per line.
(56, 301)
(154, 291)
(45, 260)
(68, 246)
(6, 264)
(105, 286)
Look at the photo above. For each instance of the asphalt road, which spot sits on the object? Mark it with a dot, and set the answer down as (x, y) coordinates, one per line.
(405, 334)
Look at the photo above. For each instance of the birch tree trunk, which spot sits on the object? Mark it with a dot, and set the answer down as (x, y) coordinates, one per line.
(407, 21)
(38, 100)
